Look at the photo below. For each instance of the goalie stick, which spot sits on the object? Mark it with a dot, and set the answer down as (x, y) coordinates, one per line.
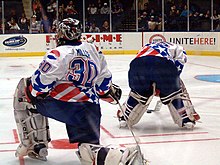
(141, 160)
(141, 156)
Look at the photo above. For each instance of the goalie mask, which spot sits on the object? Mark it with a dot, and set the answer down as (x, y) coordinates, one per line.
(69, 30)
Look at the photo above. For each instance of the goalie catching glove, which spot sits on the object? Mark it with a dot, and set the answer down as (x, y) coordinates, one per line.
(113, 95)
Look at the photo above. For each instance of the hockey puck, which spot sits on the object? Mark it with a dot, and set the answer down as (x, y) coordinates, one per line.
(149, 110)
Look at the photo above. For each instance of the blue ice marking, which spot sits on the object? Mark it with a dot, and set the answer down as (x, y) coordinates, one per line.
(209, 78)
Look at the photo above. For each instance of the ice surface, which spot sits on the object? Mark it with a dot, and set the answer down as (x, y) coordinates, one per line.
(161, 141)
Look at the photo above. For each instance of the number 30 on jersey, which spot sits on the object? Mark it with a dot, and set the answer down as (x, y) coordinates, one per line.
(82, 72)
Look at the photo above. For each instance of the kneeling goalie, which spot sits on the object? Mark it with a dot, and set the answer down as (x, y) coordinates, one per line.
(67, 87)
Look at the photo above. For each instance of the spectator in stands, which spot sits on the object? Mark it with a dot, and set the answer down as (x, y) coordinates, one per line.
(117, 13)
(61, 12)
(146, 9)
(45, 25)
(54, 25)
(218, 27)
(94, 28)
(159, 23)
(172, 17)
(105, 27)
(174, 11)
(215, 15)
(88, 24)
(37, 9)
(23, 23)
(167, 6)
(196, 15)
(51, 9)
(184, 13)
(195, 22)
(152, 13)
(117, 10)
(119, 4)
(1, 24)
(215, 19)
(12, 14)
(13, 26)
(99, 6)
(207, 14)
(70, 10)
(89, 8)
(105, 9)
(35, 25)
(36, 4)
(152, 24)
(93, 9)
(143, 22)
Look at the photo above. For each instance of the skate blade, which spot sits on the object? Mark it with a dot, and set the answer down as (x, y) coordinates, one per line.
(189, 125)
(37, 157)
(123, 124)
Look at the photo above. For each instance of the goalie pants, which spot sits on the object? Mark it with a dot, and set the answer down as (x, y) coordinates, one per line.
(82, 119)
(148, 69)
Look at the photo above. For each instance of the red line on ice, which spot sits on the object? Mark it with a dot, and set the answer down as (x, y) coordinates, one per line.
(107, 132)
(21, 160)
(150, 135)
(7, 150)
(15, 135)
(164, 134)
(171, 141)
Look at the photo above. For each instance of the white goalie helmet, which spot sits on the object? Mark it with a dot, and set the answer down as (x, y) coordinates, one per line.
(69, 29)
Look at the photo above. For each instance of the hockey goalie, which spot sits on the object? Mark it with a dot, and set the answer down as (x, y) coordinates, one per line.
(156, 72)
(67, 87)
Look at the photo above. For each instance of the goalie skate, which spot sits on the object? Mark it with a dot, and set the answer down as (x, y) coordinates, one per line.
(39, 152)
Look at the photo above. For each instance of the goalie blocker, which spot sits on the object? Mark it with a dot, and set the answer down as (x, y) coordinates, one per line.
(33, 128)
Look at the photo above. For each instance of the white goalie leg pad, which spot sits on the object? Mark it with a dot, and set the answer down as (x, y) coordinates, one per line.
(33, 128)
(177, 115)
(191, 113)
(134, 114)
(187, 112)
(90, 154)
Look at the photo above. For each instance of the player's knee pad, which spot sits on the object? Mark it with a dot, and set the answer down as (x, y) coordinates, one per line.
(181, 108)
(33, 128)
(135, 107)
(90, 154)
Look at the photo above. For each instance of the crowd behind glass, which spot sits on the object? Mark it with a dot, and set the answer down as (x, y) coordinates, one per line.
(112, 15)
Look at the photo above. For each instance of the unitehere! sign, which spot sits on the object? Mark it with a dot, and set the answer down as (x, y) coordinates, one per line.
(189, 40)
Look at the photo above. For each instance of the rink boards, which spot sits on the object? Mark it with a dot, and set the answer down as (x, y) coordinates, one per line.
(195, 43)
